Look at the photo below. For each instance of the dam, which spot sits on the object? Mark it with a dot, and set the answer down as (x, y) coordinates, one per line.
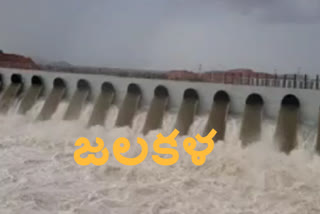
(289, 103)
(45, 112)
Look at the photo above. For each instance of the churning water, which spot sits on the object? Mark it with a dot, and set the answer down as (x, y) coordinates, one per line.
(38, 173)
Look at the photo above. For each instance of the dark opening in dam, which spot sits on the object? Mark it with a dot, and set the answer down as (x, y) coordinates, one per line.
(102, 104)
(11, 93)
(252, 119)
(52, 101)
(129, 106)
(187, 110)
(157, 109)
(287, 124)
(218, 115)
(32, 94)
(78, 99)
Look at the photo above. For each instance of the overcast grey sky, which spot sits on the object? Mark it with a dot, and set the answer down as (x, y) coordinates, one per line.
(166, 34)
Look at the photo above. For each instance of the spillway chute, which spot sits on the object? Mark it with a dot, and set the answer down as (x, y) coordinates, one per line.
(187, 111)
(129, 106)
(252, 119)
(218, 115)
(317, 148)
(52, 101)
(32, 94)
(11, 93)
(157, 109)
(287, 124)
(80, 96)
(102, 105)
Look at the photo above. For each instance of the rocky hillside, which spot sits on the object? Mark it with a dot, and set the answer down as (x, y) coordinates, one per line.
(16, 61)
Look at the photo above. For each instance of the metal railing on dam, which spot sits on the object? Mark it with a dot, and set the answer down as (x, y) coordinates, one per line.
(288, 101)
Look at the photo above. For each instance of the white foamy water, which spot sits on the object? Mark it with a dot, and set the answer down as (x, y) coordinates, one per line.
(38, 173)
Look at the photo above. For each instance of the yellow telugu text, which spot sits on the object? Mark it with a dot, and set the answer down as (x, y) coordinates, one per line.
(122, 145)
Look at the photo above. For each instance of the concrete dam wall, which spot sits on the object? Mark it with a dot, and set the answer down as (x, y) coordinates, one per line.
(288, 106)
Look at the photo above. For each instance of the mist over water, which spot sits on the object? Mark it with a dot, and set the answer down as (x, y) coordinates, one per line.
(38, 173)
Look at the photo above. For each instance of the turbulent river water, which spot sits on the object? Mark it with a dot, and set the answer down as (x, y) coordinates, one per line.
(38, 173)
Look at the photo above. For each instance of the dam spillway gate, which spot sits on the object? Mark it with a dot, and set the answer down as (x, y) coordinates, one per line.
(289, 103)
